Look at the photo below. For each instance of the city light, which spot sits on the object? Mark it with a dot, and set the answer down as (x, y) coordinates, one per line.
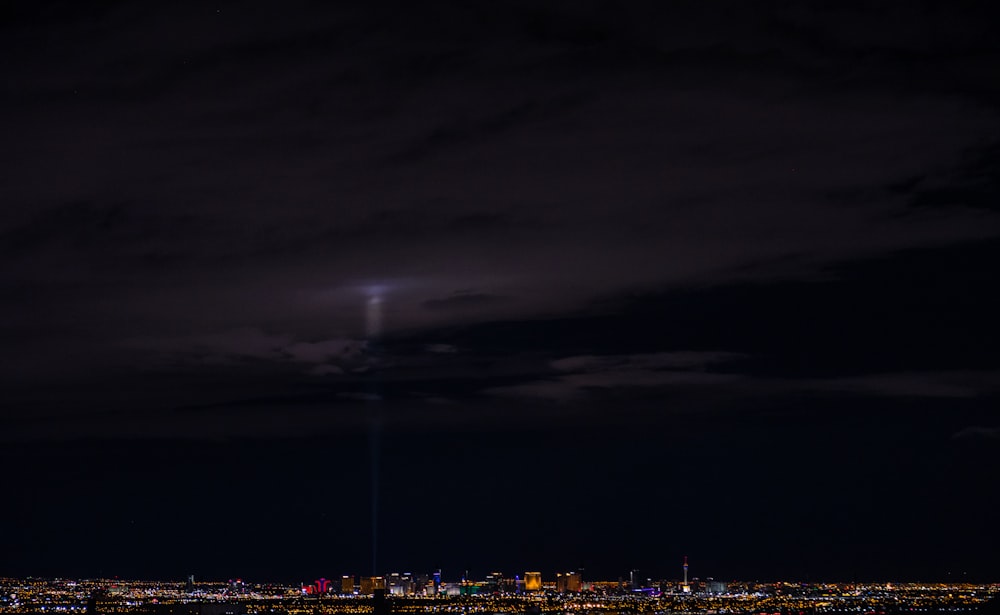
(497, 593)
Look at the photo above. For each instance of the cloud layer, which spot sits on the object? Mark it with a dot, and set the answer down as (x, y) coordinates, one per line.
(231, 197)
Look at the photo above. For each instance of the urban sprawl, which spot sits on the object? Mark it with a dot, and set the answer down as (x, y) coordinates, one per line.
(527, 592)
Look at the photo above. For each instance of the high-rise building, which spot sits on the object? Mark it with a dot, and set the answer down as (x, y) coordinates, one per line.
(400, 584)
(532, 581)
(494, 582)
(419, 582)
(347, 584)
(370, 584)
(568, 582)
(322, 585)
(716, 587)
(686, 588)
(576, 582)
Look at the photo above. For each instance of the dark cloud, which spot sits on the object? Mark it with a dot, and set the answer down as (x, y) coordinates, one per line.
(977, 433)
(730, 233)
(572, 377)
(463, 301)
(972, 183)
(441, 348)
(922, 384)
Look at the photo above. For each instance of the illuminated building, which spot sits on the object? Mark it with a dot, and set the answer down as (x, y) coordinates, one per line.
(370, 584)
(347, 584)
(685, 587)
(532, 581)
(495, 582)
(568, 582)
(418, 583)
(716, 587)
(575, 582)
(322, 585)
(400, 584)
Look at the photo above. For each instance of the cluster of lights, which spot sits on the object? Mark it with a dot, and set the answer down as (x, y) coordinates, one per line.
(23, 596)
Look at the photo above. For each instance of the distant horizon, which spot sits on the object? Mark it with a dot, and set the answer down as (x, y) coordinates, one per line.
(475, 578)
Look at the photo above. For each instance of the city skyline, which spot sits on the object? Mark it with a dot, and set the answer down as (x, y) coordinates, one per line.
(433, 584)
(236, 597)
(294, 286)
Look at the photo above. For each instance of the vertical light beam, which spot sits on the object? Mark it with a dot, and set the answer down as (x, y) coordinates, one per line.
(373, 328)
(373, 318)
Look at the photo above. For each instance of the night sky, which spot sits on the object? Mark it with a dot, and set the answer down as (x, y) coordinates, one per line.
(654, 279)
